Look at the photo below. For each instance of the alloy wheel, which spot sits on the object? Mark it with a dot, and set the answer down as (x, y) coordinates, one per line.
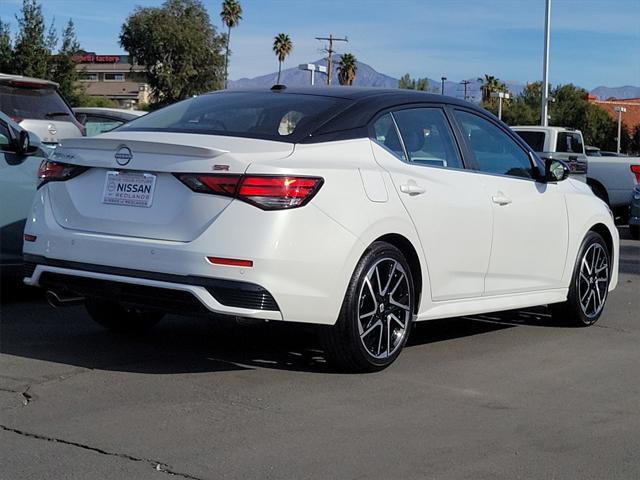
(384, 308)
(593, 283)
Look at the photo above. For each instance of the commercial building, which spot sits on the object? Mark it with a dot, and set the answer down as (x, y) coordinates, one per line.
(630, 118)
(113, 77)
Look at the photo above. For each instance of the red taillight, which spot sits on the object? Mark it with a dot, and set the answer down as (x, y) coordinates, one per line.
(30, 238)
(234, 262)
(266, 192)
(636, 171)
(57, 172)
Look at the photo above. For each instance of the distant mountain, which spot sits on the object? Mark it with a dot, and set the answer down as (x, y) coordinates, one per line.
(367, 76)
(627, 91)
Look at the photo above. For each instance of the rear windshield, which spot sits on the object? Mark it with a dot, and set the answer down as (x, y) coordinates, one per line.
(534, 139)
(263, 115)
(570, 142)
(33, 103)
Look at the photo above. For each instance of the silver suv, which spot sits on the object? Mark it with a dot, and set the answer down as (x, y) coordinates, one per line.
(37, 106)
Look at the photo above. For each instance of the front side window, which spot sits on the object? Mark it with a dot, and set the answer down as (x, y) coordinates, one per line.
(386, 135)
(427, 137)
(495, 152)
(5, 137)
(569, 142)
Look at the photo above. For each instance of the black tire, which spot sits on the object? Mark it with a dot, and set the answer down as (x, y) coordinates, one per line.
(347, 344)
(586, 287)
(119, 318)
(634, 230)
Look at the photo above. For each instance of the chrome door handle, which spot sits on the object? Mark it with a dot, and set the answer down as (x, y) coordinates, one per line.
(501, 199)
(411, 189)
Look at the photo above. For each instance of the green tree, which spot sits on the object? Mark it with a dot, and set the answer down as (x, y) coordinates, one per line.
(409, 83)
(178, 46)
(6, 49)
(64, 66)
(634, 141)
(282, 47)
(347, 69)
(231, 15)
(95, 101)
(32, 50)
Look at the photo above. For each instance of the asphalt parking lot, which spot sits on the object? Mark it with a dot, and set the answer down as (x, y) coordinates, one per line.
(501, 396)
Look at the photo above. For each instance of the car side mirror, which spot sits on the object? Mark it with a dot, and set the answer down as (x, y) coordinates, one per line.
(22, 144)
(555, 170)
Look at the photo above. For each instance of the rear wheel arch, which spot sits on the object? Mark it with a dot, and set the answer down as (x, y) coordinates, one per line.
(410, 253)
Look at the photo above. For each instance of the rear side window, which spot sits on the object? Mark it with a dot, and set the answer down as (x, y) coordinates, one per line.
(495, 152)
(22, 103)
(386, 134)
(534, 139)
(427, 137)
(569, 142)
(268, 115)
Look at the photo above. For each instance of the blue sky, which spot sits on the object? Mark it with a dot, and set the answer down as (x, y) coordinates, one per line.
(594, 42)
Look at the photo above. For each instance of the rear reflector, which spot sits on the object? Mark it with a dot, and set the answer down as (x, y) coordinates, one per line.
(30, 238)
(230, 261)
(636, 171)
(264, 191)
(57, 172)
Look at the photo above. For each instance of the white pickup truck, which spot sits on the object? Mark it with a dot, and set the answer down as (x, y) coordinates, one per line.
(611, 178)
(557, 143)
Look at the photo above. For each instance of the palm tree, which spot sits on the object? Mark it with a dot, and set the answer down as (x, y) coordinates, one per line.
(491, 84)
(231, 15)
(282, 46)
(347, 69)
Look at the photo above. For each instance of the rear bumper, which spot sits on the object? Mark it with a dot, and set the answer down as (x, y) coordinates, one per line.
(174, 293)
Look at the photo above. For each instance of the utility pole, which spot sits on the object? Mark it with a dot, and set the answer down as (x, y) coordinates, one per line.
(465, 83)
(330, 51)
(544, 115)
(442, 79)
(620, 111)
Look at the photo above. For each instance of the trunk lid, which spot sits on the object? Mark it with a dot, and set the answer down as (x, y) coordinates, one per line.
(175, 213)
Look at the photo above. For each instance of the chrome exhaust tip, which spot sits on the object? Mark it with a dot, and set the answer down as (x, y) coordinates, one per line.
(57, 300)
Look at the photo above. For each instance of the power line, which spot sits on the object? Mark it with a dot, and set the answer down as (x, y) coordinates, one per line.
(330, 51)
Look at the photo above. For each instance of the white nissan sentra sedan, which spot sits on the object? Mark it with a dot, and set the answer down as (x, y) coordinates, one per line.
(358, 210)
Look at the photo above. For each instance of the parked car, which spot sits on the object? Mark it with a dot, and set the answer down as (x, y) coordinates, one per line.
(37, 106)
(559, 143)
(613, 179)
(20, 156)
(98, 120)
(357, 210)
(634, 217)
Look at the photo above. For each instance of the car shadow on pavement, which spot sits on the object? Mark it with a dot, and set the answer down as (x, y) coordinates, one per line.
(30, 328)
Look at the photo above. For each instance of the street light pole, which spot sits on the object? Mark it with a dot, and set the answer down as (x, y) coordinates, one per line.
(620, 111)
(500, 96)
(312, 67)
(544, 120)
(443, 79)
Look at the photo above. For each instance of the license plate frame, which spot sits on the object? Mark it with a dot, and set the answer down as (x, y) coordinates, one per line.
(129, 189)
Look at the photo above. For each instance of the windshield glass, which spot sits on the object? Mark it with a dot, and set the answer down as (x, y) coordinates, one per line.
(264, 115)
(33, 104)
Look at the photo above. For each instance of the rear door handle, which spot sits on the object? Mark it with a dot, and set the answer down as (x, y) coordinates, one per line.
(411, 189)
(501, 199)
